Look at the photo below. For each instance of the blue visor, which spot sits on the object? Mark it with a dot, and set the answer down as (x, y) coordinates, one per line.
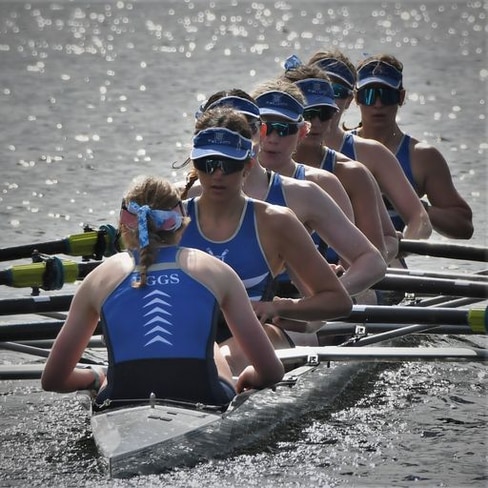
(381, 73)
(280, 104)
(338, 69)
(317, 92)
(219, 141)
(240, 104)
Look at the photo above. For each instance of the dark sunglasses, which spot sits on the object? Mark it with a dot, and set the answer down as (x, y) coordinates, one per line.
(323, 113)
(283, 129)
(226, 165)
(341, 91)
(388, 96)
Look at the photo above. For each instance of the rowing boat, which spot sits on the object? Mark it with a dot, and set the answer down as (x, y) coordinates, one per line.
(154, 435)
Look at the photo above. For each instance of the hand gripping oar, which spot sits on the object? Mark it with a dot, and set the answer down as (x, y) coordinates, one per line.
(49, 273)
(91, 244)
(444, 249)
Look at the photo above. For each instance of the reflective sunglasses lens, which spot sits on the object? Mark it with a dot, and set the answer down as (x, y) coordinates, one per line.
(341, 91)
(227, 166)
(323, 113)
(388, 96)
(283, 129)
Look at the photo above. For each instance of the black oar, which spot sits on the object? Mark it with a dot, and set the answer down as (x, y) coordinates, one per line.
(444, 249)
(35, 304)
(93, 244)
(475, 318)
(481, 276)
(433, 286)
(33, 330)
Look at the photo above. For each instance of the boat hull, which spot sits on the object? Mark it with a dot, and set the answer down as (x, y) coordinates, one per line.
(155, 437)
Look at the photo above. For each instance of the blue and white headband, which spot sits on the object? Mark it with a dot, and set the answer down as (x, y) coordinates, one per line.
(163, 220)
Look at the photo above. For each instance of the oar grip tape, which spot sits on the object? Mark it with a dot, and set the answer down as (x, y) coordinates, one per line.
(478, 320)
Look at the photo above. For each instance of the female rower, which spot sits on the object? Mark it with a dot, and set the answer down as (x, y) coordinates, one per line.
(157, 305)
(370, 214)
(405, 204)
(314, 207)
(379, 94)
(256, 239)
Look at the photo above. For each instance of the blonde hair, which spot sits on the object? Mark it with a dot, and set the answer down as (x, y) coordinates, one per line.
(159, 194)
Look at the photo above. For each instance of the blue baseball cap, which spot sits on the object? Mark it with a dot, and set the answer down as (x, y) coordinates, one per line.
(377, 71)
(339, 69)
(219, 141)
(240, 104)
(317, 93)
(281, 104)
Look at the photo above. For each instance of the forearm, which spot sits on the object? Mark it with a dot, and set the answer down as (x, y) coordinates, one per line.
(363, 273)
(454, 223)
(322, 306)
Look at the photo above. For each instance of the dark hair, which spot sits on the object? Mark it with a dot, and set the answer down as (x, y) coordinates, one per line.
(233, 92)
(218, 117)
(226, 117)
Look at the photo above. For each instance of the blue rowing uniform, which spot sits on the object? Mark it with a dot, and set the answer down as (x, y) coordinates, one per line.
(328, 164)
(348, 147)
(403, 155)
(242, 252)
(157, 343)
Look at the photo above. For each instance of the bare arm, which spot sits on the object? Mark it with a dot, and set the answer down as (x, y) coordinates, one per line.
(395, 186)
(60, 373)
(449, 213)
(286, 239)
(364, 263)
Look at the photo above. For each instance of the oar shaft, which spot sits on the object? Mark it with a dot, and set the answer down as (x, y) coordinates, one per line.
(343, 328)
(482, 276)
(476, 318)
(433, 286)
(35, 304)
(444, 249)
(34, 331)
(382, 354)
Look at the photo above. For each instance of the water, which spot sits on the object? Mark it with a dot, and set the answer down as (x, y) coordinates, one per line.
(92, 94)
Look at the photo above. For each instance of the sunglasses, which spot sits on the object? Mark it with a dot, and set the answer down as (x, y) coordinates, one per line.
(323, 113)
(226, 165)
(341, 91)
(388, 96)
(283, 129)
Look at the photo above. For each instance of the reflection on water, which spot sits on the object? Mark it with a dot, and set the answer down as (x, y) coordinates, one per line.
(95, 93)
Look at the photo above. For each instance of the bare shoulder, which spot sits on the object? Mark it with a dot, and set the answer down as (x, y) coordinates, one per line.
(425, 153)
(208, 270)
(272, 215)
